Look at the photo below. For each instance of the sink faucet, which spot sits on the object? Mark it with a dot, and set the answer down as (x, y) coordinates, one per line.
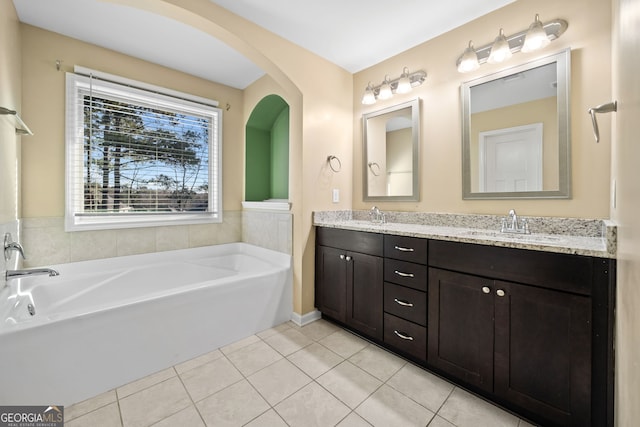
(15, 274)
(511, 224)
(514, 219)
(377, 215)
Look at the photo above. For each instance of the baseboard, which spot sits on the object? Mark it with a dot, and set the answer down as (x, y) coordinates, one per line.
(305, 319)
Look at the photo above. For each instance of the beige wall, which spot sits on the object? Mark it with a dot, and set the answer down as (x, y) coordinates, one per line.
(10, 97)
(626, 160)
(588, 35)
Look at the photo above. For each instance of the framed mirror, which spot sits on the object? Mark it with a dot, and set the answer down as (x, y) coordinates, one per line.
(391, 143)
(516, 132)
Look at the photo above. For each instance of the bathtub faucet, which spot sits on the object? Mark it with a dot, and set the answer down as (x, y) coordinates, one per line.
(15, 274)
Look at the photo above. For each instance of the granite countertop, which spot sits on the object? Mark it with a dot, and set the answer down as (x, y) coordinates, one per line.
(587, 237)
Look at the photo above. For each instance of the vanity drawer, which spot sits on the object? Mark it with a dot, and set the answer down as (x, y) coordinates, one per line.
(405, 336)
(564, 272)
(405, 248)
(406, 273)
(349, 240)
(406, 303)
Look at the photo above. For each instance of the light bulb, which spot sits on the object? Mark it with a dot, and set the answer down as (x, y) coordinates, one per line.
(500, 50)
(469, 60)
(385, 89)
(369, 97)
(404, 84)
(536, 37)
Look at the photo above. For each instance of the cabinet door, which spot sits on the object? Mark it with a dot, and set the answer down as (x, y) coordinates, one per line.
(331, 282)
(543, 352)
(460, 328)
(364, 294)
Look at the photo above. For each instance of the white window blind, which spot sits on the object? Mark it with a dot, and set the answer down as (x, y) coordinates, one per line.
(139, 158)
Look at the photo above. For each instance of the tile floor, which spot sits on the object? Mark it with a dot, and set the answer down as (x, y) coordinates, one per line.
(316, 375)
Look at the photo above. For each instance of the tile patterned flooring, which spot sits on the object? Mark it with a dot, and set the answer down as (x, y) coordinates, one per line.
(316, 375)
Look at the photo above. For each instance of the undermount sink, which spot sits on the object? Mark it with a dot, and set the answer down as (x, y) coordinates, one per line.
(523, 237)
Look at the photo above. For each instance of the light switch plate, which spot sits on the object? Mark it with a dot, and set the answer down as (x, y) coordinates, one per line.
(336, 195)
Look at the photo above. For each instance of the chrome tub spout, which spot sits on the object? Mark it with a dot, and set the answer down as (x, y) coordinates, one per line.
(15, 274)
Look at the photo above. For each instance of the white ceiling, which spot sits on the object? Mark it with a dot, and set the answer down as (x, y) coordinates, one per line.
(354, 34)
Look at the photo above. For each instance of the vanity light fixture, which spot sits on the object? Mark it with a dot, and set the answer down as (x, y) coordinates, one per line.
(385, 90)
(537, 36)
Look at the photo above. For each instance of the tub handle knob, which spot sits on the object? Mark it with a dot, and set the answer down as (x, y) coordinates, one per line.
(10, 245)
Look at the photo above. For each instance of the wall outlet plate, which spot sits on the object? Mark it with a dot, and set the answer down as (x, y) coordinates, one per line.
(336, 195)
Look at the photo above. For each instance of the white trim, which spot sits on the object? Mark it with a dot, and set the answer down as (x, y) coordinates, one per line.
(142, 85)
(74, 152)
(267, 205)
(305, 319)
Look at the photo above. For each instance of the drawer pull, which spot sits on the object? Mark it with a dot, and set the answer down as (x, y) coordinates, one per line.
(400, 273)
(403, 336)
(401, 249)
(403, 303)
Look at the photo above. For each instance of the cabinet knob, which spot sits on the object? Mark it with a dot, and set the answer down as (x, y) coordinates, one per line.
(347, 258)
(341, 256)
(486, 289)
(500, 292)
(403, 336)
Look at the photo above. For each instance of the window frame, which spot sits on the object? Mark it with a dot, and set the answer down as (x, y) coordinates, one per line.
(77, 85)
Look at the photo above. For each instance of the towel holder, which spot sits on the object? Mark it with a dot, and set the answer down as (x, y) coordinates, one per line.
(610, 107)
(21, 127)
(332, 160)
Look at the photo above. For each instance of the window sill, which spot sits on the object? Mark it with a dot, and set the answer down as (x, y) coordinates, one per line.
(84, 223)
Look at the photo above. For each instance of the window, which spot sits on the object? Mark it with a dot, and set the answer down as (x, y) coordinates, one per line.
(139, 158)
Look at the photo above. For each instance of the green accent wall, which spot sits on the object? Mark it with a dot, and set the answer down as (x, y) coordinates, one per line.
(280, 156)
(258, 160)
(267, 150)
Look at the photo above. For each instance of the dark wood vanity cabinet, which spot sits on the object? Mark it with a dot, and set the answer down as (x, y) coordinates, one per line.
(530, 330)
(537, 345)
(528, 345)
(349, 282)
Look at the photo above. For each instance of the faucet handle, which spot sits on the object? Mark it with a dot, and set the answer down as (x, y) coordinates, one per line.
(10, 245)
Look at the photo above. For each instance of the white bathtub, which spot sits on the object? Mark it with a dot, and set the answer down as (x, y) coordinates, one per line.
(101, 324)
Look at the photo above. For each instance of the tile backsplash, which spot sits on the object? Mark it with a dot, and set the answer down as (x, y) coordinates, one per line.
(46, 243)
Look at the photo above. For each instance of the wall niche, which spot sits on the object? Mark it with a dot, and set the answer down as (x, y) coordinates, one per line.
(267, 152)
